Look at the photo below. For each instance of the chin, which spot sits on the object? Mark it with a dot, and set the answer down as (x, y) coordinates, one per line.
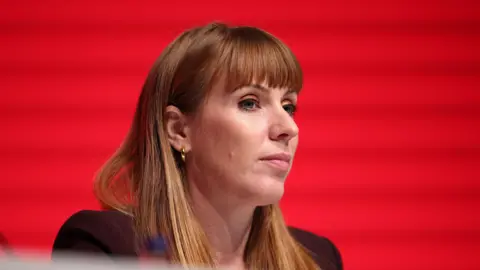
(268, 191)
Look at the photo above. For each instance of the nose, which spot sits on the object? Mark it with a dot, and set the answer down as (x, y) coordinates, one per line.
(283, 127)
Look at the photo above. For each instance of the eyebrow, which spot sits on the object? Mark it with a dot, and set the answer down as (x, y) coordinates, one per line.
(257, 86)
(263, 88)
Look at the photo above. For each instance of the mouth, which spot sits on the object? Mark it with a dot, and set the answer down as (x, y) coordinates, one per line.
(280, 161)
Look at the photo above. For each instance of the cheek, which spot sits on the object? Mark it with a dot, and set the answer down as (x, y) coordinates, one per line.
(234, 139)
(229, 141)
(293, 144)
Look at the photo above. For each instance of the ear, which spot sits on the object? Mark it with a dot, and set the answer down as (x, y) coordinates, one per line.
(176, 128)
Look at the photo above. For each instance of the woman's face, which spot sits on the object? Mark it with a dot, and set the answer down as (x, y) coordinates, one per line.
(242, 143)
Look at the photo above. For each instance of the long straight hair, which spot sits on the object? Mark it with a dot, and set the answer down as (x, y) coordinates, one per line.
(145, 177)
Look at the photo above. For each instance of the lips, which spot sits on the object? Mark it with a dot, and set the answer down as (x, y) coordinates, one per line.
(279, 161)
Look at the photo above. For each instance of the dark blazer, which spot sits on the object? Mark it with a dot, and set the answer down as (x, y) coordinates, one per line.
(111, 233)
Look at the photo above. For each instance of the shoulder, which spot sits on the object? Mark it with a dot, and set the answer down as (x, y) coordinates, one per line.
(109, 232)
(324, 252)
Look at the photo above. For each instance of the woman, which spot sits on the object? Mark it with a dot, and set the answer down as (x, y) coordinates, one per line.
(204, 164)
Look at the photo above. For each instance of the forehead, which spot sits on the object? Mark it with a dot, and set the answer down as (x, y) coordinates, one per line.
(266, 62)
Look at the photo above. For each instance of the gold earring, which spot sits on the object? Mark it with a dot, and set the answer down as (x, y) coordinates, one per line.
(182, 153)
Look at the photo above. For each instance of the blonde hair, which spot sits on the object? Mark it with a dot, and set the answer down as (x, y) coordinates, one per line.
(144, 178)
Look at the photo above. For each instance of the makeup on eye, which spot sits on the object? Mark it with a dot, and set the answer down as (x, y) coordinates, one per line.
(248, 104)
(251, 103)
(290, 108)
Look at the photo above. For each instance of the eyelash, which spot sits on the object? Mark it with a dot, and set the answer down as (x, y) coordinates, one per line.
(242, 104)
(255, 102)
(293, 110)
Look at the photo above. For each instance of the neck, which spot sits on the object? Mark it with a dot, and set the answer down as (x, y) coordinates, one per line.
(227, 226)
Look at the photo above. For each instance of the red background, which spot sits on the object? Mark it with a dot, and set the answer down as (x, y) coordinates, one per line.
(389, 157)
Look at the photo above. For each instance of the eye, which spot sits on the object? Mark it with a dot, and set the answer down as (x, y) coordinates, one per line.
(248, 104)
(290, 108)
